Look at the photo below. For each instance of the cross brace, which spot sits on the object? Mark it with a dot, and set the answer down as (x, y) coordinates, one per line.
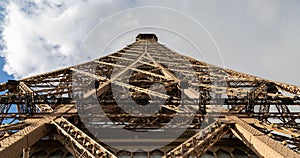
(13, 145)
(200, 142)
(79, 143)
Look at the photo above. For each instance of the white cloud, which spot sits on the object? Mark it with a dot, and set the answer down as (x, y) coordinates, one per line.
(45, 35)
(257, 37)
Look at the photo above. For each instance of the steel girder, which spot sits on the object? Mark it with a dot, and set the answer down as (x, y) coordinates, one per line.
(13, 145)
(198, 144)
(246, 96)
(263, 145)
(77, 142)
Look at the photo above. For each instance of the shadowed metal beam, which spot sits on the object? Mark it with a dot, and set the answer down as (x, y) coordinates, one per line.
(200, 142)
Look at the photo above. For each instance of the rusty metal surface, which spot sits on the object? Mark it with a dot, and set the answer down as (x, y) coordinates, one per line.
(77, 142)
(198, 144)
(253, 105)
(259, 142)
(13, 145)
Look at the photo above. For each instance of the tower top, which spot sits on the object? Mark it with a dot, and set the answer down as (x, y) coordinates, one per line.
(146, 36)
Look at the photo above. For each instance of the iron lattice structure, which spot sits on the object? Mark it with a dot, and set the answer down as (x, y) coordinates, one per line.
(259, 117)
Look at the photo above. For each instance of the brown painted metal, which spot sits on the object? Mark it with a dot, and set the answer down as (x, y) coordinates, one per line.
(252, 103)
(13, 145)
(262, 144)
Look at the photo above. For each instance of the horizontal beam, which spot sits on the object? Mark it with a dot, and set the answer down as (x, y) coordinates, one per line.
(273, 127)
(28, 90)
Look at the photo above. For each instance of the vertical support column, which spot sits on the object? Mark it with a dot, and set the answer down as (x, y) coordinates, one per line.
(250, 106)
(131, 154)
(26, 152)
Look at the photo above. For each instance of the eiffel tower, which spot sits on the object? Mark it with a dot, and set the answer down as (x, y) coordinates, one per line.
(209, 111)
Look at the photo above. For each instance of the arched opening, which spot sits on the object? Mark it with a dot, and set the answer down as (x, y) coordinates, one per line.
(222, 153)
(39, 154)
(156, 154)
(208, 154)
(239, 154)
(123, 154)
(56, 154)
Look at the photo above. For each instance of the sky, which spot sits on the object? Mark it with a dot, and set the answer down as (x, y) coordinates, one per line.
(252, 36)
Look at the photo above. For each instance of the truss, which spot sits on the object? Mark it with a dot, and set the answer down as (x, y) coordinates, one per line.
(262, 114)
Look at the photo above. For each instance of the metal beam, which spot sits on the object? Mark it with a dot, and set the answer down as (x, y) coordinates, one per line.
(77, 142)
(260, 143)
(41, 107)
(106, 83)
(200, 142)
(13, 145)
